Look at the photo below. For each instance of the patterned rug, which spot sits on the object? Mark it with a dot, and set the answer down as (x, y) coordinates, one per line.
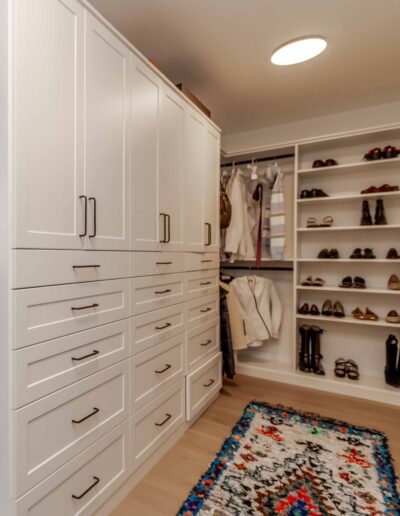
(280, 461)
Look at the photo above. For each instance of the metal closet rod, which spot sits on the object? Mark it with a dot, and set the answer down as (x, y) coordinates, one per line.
(253, 267)
(258, 160)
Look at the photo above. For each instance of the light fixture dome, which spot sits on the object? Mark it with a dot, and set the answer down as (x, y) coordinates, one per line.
(298, 50)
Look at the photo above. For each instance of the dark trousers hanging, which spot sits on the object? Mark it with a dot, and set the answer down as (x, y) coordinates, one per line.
(226, 337)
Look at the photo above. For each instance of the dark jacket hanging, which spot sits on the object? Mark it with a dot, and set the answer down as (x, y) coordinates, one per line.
(226, 338)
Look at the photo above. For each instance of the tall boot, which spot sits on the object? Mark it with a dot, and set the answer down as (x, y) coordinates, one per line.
(316, 357)
(304, 355)
(366, 219)
(392, 368)
(380, 217)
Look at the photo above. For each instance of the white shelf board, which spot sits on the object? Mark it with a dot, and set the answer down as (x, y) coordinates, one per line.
(347, 320)
(347, 260)
(352, 197)
(328, 288)
(353, 167)
(350, 228)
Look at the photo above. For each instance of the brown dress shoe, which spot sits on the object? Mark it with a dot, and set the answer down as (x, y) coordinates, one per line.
(358, 314)
(392, 254)
(371, 316)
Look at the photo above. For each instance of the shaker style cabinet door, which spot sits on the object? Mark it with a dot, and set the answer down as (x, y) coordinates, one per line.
(211, 190)
(48, 123)
(145, 92)
(106, 137)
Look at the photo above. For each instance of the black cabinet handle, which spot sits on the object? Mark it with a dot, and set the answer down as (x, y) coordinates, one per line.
(169, 228)
(164, 216)
(94, 217)
(166, 325)
(205, 283)
(95, 352)
(165, 420)
(78, 421)
(206, 261)
(85, 232)
(205, 310)
(167, 366)
(209, 383)
(209, 227)
(163, 291)
(206, 343)
(86, 266)
(164, 263)
(94, 305)
(96, 481)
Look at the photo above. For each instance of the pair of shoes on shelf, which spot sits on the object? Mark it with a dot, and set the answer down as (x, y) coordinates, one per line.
(310, 350)
(380, 217)
(310, 282)
(392, 317)
(368, 315)
(356, 282)
(358, 254)
(332, 254)
(328, 309)
(394, 282)
(392, 254)
(380, 189)
(392, 369)
(347, 368)
(319, 163)
(387, 152)
(305, 309)
(326, 222)
(313, 193)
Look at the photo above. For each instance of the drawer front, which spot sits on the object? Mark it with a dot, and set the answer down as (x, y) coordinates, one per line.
(201, 261)
(155, 327)
(39, 268)
(151, 263)
(202, 283)
(47, 367)
(51, 431)
(202, 386)
(202, 310)
(202, 342)
(156, 369)
(154, 292)
(154, 423)
(46, 313)
(98, 471)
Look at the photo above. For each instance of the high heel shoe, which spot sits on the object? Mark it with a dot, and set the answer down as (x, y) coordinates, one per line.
(338, 310)
(327, 308)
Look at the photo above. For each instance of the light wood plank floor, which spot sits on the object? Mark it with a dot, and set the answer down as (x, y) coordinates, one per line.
(167, 485)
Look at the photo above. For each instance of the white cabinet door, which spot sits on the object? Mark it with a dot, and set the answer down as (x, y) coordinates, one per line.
(106, 138)
(211, 189)
(171, 163)
(145, 90)
(193, 181)
(48, 121)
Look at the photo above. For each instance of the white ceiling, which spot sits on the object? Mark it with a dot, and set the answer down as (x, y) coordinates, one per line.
(221, 50)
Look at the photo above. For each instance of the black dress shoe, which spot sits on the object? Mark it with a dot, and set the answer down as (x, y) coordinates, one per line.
(347, 282)
(318, 163)
(317, 192)
(324, 253)
(369, 254)
(331, 163)
(392, 254)
(334, 254)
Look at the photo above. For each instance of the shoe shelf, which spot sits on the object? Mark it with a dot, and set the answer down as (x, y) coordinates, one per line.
(348, 260)
(347, 320)
(350, 228)
(327, 288)
(380, 164)
(352, 197)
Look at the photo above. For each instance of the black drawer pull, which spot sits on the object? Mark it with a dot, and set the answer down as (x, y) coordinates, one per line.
(165, 420)
(95, 352)
(78, 421)
(94, 305)
(86, 266)
(166, 325)
(163, 291)
(96, 481)
(206, 343)
(167, 366)
(205, 283)
(209, 383)
(206, 261)
(164, 263)
(205, 310)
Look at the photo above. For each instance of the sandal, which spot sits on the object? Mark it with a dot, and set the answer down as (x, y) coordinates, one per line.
(352, 370)
(312, 222)
(340, 367)
(327, 222)
(359, 282)
(371, 316)
(347, 282)
(358, 314)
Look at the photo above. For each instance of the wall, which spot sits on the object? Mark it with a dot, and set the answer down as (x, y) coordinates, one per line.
(278, 135)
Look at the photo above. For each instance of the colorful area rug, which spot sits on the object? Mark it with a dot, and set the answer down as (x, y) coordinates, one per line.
(280, 461)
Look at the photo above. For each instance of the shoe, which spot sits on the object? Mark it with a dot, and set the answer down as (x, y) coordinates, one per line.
(318, 163)
(327, 308)
(358, 314)
(366, 219)
(370, 190)
(331, 162)
(392, 376)
(347, 282)
(312, 222)
(304, 309)
(387, 188)
(380, 217)
(338, 310)
(307, 282)
(373, 154)
(359, 282)
(394, 282)
(371, 316)
(352, 371)
(317, 192)
(334, 254)
(356, 254)
(324, 254)
(390, 152)
(392, 254)
(368, 254)
(316, 357)
(318, 282)
(340, 367)
(392, 317)
(314, 310)
(304, 355)
(305, 194)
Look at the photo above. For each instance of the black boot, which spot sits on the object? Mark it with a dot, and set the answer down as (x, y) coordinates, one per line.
(392, 368)
(366, 219)
(380, 217)
(316, 356)
(304, 355)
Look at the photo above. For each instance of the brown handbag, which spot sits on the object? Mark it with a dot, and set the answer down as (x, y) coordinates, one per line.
(225, 208)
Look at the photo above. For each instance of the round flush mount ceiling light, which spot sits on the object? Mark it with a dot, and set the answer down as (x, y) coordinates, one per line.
(298, 50)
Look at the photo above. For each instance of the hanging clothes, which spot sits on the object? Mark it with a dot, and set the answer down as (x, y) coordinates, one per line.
(228, 359)
(277, 217)
(238, 329)
(260, 308)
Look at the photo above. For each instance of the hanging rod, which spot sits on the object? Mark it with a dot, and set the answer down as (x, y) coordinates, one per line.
(259, 160)
(253, 267)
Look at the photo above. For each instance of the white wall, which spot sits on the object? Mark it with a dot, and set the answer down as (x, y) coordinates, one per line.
(278, 135)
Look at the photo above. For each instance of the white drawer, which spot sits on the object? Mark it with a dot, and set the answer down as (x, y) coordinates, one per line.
(201, 261)
(155, 422)
(51, 431)
(202, 386)
(155, 327)
(202, 310)
(150, 263)
(154, 292)
(46, 313)
(156, 369)
(202, 283)
(47, 367)
(91, 478)
(38, 268)
(202, 342)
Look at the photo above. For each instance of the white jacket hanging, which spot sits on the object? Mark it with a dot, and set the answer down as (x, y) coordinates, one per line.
(260, 308)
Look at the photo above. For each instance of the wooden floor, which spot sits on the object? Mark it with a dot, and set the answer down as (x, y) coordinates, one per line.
(167, 485)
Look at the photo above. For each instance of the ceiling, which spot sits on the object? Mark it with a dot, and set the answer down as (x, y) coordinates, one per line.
(220, 49)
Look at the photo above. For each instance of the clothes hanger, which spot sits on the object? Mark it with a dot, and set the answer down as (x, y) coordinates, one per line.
(253, 167)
